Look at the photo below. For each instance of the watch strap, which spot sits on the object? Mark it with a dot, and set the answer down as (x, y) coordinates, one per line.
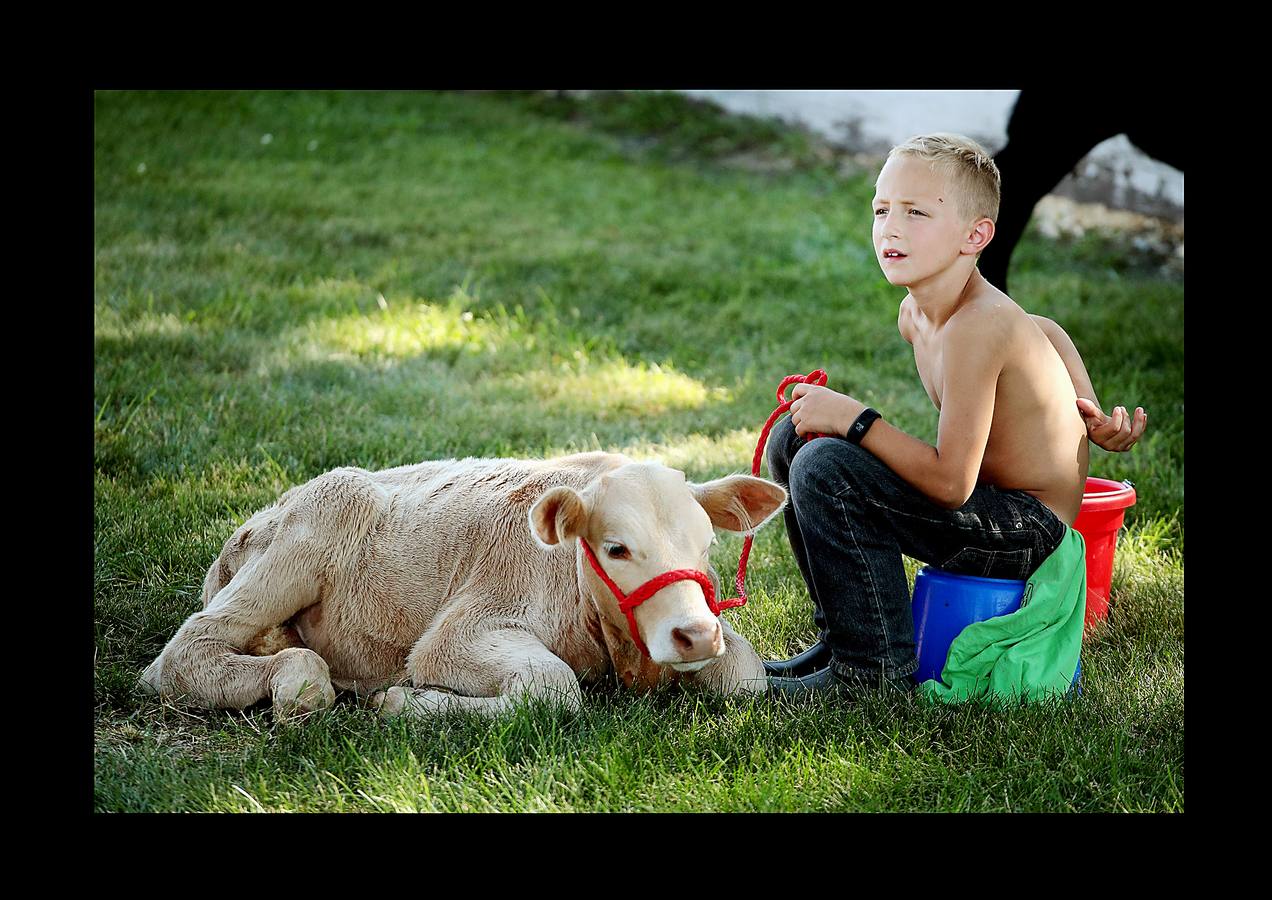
(861, 425)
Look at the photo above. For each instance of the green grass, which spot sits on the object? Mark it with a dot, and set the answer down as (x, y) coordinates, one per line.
(468, 274)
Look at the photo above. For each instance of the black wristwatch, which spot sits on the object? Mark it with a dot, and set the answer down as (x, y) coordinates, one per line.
(859, 428)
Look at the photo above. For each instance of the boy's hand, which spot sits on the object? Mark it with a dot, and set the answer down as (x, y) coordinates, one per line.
(1117, 432)
(819, 410)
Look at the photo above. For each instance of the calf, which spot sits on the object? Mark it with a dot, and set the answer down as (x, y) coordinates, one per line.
(464, 584)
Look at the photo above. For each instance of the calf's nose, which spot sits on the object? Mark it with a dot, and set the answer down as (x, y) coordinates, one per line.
(701, 640)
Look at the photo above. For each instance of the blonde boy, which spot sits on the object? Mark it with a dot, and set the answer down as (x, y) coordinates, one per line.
(1006, 476)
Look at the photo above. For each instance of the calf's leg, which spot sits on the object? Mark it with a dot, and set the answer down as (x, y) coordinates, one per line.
(739, 671)
(205, 663)
(296, 679)
(491, 672)
(275, 564)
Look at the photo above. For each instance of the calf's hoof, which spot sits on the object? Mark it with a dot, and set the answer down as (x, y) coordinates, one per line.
(395, 701)
(381, 703)
(392, 702)
(149, 680)
(300, 683)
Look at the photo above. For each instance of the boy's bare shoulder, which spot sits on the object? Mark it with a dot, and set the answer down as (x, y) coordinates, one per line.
(986, 315)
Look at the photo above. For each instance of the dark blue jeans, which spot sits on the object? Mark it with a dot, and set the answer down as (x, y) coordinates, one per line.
(849, 520)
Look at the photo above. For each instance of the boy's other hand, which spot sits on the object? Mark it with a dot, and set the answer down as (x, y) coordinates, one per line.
(1117, 432)
(819, 410)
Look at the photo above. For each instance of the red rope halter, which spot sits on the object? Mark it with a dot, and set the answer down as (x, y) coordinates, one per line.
(628, 602)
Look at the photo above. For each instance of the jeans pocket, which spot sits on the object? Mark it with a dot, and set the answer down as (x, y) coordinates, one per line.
(1011, 564)
(1050, 530)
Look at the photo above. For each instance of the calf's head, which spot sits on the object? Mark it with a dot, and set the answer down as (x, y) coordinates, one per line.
(644, 519)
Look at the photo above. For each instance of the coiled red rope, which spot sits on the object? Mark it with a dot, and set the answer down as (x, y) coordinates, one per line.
(628, 602)
(817, 377)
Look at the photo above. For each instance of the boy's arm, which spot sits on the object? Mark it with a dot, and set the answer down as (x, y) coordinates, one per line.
(947, 473)
(1117, 432)
(1069, 354)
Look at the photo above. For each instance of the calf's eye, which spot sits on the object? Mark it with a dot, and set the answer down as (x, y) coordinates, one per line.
(617, 551)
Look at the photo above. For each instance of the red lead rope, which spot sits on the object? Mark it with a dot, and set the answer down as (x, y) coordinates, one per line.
(817, 377)
(628, 602)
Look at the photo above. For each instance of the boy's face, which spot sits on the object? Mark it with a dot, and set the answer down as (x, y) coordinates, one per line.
(915, 216)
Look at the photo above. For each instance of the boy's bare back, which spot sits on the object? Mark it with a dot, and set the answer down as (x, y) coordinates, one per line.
(1037, 439)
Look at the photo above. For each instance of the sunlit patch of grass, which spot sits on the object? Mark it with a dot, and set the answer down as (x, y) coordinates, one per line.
(329, 292)
(406, 328)
(702, 456)
(110, 325)
(1148, 567)
(610, 388)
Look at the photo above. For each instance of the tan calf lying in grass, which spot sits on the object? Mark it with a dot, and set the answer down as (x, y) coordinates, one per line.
(461, 584)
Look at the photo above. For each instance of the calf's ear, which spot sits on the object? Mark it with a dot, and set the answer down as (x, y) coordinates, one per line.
(739, 502)
(558, 515)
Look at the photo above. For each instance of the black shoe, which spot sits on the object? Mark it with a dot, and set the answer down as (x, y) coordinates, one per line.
(814, 658)
(822, 681)
(828, 681)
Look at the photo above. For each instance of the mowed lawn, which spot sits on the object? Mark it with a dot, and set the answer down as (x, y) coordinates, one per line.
(286, 283)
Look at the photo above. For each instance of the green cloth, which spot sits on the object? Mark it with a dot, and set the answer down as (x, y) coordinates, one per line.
(1031, 653)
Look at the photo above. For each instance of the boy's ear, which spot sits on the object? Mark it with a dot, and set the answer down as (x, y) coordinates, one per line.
(739, 502)
(982, 233)
(560, 514)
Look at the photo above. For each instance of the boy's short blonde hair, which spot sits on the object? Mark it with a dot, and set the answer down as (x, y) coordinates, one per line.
(969, 167)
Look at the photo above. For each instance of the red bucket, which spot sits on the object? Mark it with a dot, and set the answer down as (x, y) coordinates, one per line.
(1104, 505)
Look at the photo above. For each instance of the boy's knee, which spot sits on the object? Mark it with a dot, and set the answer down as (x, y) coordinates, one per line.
(828, 465)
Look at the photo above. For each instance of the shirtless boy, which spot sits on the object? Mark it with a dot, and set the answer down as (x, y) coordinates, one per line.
(1006, 476)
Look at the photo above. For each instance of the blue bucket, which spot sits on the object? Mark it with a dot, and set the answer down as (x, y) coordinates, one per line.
(945, 603)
